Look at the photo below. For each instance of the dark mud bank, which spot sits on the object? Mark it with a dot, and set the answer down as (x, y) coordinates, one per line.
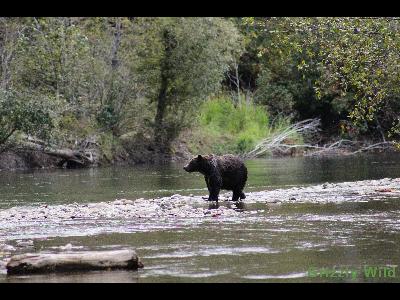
(24, 160)
(29, 159)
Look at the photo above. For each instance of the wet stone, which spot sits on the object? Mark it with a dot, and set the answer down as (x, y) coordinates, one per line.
(187, 208)
(6, 248)
(23, 244)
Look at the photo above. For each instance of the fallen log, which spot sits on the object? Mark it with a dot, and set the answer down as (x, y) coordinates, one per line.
(75, 261)
(69, 157)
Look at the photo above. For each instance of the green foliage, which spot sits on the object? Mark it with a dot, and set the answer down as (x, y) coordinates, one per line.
(22, 112)
(276, 92)
(107, 116)
(239, 128)
(222, 127)
(109, 145)
(183, 61)
(52, 55)
(68, 78)
(222, 114)
(105, 74)
(351, 61)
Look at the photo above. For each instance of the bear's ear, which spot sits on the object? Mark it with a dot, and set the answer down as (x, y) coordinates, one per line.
(199, 157)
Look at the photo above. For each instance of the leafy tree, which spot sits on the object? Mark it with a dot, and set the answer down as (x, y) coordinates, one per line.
(183, 60)
(22, 112)
(341, 52)
(117, 84)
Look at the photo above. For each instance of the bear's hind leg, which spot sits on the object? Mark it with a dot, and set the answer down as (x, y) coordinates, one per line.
(242, 195)
(236, 195)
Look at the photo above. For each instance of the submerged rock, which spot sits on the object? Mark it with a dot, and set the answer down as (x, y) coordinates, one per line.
(4, 248)
(328, 192)
(67, 247)
(24, 244)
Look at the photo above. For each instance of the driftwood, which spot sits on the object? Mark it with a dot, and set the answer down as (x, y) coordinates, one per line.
(75, 261)
(72, 158)
(349, 147)
(278, 143)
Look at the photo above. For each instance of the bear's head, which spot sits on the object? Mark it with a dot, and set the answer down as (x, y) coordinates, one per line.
(196, 164)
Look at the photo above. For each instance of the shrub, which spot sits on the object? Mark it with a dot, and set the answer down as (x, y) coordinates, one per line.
(232, 129)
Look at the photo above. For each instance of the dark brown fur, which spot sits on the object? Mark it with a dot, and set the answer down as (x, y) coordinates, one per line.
(226, 172)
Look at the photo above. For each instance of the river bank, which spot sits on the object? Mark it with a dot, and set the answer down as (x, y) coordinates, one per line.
(128, 155)
(140, 154)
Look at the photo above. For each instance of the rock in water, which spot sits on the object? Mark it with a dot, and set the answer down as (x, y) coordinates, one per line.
(76, 261)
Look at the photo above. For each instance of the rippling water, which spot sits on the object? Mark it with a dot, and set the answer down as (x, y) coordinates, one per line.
(278, 244)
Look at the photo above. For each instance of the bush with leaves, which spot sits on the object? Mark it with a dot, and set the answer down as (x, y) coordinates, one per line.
(22, 112)
(352, 61)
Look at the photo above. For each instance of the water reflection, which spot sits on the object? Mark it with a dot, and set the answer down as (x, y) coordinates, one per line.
(79, 277)
(105, 184)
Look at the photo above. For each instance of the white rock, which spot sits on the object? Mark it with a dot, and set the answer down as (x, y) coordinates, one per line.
(28, 243)
(7, 248)
(66, 247)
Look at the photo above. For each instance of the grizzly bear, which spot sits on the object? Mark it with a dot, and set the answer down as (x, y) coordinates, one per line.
(226, 172)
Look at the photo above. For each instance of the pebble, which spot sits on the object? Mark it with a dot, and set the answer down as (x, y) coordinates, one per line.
(187, 207)
(7, 248)
(66, 247)
(21, 243)
(3, 265)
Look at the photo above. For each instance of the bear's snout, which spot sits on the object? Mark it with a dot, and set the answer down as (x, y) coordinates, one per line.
(188, 168)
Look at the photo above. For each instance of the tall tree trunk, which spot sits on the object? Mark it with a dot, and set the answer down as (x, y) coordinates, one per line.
(115, 45)
(114, 69)
(159, 130)
(9, 33)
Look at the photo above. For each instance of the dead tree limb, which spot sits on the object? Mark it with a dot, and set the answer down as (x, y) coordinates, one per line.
(73, 158)
(277, 142)
(74, 261)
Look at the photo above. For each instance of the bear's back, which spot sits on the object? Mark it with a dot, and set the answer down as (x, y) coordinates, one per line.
(233, 171)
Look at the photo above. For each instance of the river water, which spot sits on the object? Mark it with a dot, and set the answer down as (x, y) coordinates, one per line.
(280, 243)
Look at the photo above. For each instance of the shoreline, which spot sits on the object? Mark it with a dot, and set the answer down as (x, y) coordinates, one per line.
(25, 160)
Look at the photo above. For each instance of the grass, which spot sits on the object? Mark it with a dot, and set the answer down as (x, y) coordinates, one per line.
(223, 128)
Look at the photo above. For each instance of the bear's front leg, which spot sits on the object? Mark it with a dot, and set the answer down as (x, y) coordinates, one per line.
(214, 186)
(213, 195)
(206, 178)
